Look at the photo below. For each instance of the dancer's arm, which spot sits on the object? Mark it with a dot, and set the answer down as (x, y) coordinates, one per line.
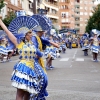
(54, 44)
(10, 35)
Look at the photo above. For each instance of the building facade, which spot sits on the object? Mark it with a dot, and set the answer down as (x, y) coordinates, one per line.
(74, 14)
(66, 14)
(16, 5)
(83, 10)
(27, 5)
(52, 9)
(11, 5)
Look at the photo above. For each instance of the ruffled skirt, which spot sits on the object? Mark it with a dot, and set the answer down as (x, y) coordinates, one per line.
(24, 77)
(31, 80)
(95, 49)
(85, 47)
(3, 50)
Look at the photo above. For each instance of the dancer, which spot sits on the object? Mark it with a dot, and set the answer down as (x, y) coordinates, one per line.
(85, 47)
(95, 46)
(24, 77)
(3, 49)
(50, 54)
(39, 41)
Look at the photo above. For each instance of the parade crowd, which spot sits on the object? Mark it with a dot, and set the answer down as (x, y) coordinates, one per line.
(33, 39)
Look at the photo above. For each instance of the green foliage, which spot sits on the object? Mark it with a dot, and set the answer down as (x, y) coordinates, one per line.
(94, 20)
(9, 18)
(1, 4)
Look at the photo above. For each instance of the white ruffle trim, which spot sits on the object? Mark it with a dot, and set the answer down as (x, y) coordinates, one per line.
(24, 87)
(26, 77)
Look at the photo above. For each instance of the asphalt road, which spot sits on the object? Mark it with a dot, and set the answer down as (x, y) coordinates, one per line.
(75, 77)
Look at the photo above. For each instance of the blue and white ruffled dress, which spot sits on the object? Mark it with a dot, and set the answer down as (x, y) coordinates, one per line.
(63, 46)
(95, 49)
(86, 47)
(24, 76)
(50, 52)
(3, 50)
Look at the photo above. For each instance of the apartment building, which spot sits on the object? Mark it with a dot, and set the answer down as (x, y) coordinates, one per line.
(27, 5)
(97, 2)
(16, 5)
(74, 14)
(66, 14)
(82, 11)
(52, 9)
(11, 5)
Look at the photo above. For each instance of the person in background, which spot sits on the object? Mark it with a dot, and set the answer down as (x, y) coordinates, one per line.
(39, 41)
(70, 43)
(95, 46)
(86, 47)
(3, 49)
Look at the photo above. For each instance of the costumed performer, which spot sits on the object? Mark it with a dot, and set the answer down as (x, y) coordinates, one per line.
(95, 46)
(23, 76)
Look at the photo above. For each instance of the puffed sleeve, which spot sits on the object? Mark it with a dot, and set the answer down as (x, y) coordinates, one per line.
(39, 53)
(45, 41)
(34, 40)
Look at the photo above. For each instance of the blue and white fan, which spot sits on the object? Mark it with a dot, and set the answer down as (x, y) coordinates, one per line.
(22, 23)
(42, 22)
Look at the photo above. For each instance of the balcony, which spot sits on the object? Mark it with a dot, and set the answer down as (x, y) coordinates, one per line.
(76, 10)
(51, 5)
(53, 15)
(65, 22)
(77, 3)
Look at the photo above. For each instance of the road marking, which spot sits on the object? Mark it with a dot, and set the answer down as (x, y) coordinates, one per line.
(79, 59)
(75, 54)
(64, 59)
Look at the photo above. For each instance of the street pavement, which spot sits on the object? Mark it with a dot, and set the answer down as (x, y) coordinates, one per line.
(75, 77)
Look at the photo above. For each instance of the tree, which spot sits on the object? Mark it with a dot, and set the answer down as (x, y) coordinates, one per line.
(9, 18)
(94, 20)
(1, 4)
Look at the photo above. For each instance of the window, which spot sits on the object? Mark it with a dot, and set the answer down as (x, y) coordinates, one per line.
(91, 14)
(77, 19)
(77, 12)
(81, 24)
(81, 19)
(85, 13)
(16, 2)
(81, 1)
(77, 24)
(81, 7)
(12, 2)
(77, 1)
(85, 8)
(85, 2)
(81, 13)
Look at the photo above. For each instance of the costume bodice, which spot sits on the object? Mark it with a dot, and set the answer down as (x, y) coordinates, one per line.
(96, 42)
(85, 42)
(27, 51)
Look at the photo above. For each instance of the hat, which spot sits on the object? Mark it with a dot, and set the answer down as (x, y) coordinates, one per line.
(24, 30)
(43, 21)
(22, 24)
(39, 29)
(94, 31)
